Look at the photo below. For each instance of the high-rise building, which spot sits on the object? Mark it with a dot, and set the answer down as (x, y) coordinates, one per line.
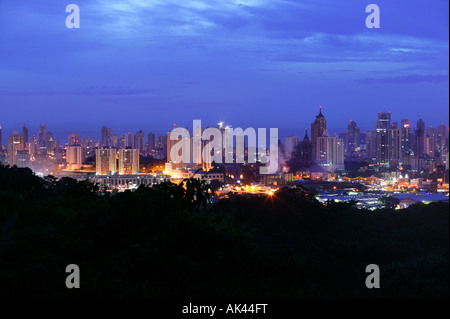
(318, 127)
(73, 139)
(371, 149)
(128, 161)
(1, 138)
(42, 142)
(139, 141)
(25, 136)
(150, 141)
(407, 141)
(420, 138)
(75, 156)
(305, 151)
(290, 145)
(395, 145)
(353, 133)
(129, 141)
(15, 144)
(442, 139)
(330, 152)
(382, 137)
(105, 160)
(106, 137)
(431, 142)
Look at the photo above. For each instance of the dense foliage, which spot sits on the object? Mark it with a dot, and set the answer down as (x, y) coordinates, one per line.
(165, 242)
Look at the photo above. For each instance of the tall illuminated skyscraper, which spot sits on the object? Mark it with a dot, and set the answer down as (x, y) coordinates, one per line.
(382, 137)
(318, 127)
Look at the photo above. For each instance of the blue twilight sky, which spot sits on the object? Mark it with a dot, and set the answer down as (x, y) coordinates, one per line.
(146, 64)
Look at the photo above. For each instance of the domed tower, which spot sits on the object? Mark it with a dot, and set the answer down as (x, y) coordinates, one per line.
(317, 128)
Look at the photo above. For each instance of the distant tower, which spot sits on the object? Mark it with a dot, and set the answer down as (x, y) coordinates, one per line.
(353, 137)
(305, 151)
(25, 135)
(318, 127)
(382, 137)
(139, 141)
(420, 138)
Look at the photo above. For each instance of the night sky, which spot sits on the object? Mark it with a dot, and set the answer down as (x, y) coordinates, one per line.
(137, 64)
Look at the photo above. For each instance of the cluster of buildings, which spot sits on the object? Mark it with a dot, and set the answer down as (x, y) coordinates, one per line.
(389, 144)
(114, 160)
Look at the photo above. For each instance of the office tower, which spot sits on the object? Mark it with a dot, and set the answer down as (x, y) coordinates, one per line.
(431, 142)
(290, 145)
(420, 138)
(129, 140)
(105, 160)
(106, 137)
(42, 136)
(114, 140)
(150, 141)
(305, 151)
(382, 137)
(49, 142)
(353, 137)
(25, 136)
(73, 139)
(128, 161)
(15, 144)
(330, 152)
(395, 145)
(407, 141)
(371, 150)
(442, 139)
(1, 140)
(75, 156)
(23, 158)
(139, 141)
(318, 127)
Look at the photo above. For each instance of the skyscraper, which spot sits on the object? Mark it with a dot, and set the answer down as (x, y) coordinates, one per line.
(317, 128)
(128, 161)
(382, 137)
(106, 137)
(42, 136)
(353, 133)
(431, 142)
(75, 156)
(25, 136)
(150, 141)
(105, 160)
(15, 144)
(407, 141)
(330, 152)
(420, 138)
(1, 140)
(139, 141)
(290, 145)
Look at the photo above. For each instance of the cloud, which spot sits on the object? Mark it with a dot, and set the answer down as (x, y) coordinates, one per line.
(87, 91)
(406, 79)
